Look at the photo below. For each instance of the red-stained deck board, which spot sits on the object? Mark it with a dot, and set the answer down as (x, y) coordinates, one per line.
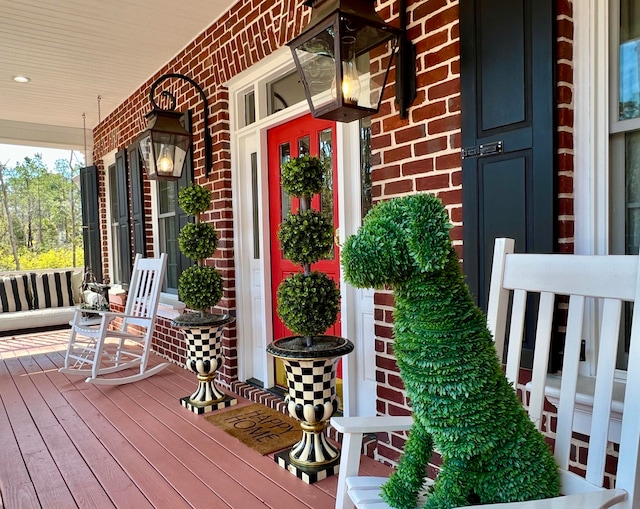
(65, 443)
(81, 481)
(45, 476)
(152, 484)
(121, 491)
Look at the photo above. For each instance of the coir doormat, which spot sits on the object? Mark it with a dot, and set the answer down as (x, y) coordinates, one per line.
(259, 427)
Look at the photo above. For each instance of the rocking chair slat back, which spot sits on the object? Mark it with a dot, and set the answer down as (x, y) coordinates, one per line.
(583, 392)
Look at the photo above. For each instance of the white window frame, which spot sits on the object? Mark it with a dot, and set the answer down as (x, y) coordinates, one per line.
(595, 110)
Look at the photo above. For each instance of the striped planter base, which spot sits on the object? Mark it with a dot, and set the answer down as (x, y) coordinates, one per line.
(312, 400)
(204, 358)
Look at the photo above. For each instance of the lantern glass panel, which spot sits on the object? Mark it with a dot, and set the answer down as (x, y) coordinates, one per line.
(170, 151)
(344, 64)
(146, 153)
(317, 61)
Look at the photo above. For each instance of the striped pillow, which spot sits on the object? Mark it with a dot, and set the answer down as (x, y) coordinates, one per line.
(51, 290)
(13, 293)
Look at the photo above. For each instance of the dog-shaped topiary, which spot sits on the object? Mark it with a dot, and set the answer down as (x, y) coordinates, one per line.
(462, 402)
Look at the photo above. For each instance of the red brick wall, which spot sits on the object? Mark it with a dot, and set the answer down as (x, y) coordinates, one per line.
(241, 37)
(420, 153)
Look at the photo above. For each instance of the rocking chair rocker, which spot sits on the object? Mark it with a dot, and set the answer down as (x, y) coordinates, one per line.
(88, 351)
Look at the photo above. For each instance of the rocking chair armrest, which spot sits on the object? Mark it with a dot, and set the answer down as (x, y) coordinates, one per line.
(601, 499)
(372, 424)
(111, 315)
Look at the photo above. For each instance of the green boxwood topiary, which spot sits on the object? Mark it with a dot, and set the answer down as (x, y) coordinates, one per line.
(198, 241)
(200, 286)
(194, 200)
(306, 237)
(308, 304)
(303, 176)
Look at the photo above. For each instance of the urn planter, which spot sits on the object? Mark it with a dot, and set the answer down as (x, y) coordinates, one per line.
(203, 336)
(311, 400)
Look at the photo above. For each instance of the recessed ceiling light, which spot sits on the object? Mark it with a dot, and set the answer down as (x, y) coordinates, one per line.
(21, 79)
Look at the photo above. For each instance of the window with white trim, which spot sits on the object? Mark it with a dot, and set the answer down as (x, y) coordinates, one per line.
(624, 135)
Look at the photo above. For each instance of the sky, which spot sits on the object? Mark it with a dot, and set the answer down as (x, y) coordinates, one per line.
(10, 155)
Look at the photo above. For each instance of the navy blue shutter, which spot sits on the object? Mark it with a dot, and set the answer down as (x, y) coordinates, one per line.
(124, 232)
(90, 224)
(137, 200)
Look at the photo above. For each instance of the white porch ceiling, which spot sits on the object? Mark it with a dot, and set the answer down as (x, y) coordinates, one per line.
(77, 50)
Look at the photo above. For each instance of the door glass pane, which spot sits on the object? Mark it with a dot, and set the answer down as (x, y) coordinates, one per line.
(249, 108)
(629, 54)
(326, 156)
(303, 146)
(285, 155)
(366, 197)
(284, 92)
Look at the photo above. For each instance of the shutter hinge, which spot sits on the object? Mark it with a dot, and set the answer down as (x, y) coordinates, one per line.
(483, 150)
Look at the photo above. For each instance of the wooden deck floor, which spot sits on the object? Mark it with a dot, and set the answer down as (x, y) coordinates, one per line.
(66, 444)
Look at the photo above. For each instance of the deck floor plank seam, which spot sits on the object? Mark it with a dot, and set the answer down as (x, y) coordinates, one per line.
(152, 484)
(50, 486)
(118, 486)
(134, 444)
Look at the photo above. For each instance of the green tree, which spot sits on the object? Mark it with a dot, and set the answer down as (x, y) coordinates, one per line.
(42, 205)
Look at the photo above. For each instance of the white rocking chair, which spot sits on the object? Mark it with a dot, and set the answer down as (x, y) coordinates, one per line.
(90, 354)
(608, 280)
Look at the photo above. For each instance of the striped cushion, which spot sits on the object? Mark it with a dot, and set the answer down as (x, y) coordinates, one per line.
(13, 293)
(51, 290)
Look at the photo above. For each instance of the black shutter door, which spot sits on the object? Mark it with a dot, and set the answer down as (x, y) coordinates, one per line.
(124, 233)
(508, 129)
(90, 225)
(137, 200)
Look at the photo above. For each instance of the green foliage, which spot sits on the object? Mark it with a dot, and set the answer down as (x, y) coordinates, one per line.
(198, 241)
(200, 287)
(399, 238)
(52, 259)
(44, 212)
(306, 237)
(194, 199)
(303, 176)
(308, 304)
(462, 403)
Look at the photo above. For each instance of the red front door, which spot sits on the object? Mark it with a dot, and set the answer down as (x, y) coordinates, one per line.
(303, 136)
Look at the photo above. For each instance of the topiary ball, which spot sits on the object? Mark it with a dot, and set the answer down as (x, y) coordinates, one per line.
(303, 176)
(306, 237)
(198, 241)
(200, 287)
(194, 199)
(308, 305)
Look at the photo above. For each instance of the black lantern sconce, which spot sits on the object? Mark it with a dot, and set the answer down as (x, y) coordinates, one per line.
(344, 56)
(165, 144)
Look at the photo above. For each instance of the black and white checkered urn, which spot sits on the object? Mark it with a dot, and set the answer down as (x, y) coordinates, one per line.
(204, 358)
(312, 400)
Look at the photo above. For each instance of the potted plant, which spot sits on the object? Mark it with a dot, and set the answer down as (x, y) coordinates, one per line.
(200, 288)
(308, 304)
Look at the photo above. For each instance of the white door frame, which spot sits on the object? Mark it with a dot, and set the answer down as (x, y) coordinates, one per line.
(253, 288)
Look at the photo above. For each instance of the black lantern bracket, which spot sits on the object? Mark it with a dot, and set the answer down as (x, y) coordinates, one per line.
(205, 105)
(405, 66)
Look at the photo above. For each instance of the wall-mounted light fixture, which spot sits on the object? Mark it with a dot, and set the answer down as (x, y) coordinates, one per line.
(343, 57)
(164, 145)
